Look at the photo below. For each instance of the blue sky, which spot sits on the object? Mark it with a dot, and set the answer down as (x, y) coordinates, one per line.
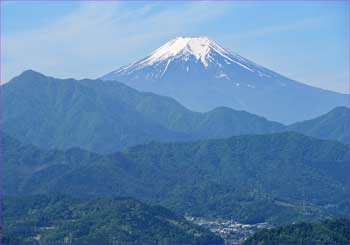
(306, 41)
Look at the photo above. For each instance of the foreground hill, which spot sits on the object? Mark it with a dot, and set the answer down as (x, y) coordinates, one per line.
(277, 178)
(328, 232)
(58, 219)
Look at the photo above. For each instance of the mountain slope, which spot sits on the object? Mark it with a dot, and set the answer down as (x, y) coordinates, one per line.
(276, 178)
(217, 123)
(58, 219)
(333, 125)
(55, 113)
(202, 75)
(105, 117)
(328, 232)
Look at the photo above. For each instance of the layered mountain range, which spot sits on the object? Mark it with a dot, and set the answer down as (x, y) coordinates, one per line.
(108, 116)
(203, 75)
(278, 178)
(203, 132)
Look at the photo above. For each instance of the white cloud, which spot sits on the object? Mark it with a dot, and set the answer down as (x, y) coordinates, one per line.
(99, 37)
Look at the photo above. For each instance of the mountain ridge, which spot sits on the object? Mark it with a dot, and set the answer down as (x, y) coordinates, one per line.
(66, 113)
(338, 119)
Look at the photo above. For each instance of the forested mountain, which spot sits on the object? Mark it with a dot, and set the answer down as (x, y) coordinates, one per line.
(335, 231)
(105, 117)
(53, 113)
(277, 178)
(333, 125)
(94, 139)
(58, 219)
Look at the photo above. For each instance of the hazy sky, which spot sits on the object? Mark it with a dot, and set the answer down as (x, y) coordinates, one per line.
(305, 41)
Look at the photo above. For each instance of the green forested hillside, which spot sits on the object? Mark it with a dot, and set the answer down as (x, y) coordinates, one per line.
(277, 178)
(328, 232)
(58, 219)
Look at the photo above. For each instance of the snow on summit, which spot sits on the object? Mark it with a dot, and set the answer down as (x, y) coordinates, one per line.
(199, 47)
(188, 49)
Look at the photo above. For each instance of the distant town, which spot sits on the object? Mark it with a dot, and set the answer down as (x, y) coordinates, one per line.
(231, 231)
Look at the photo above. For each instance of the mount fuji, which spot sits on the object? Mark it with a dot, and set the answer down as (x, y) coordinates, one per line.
(202, 75)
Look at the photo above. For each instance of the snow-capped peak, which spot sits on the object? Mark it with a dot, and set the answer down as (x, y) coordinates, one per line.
(199, 47)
